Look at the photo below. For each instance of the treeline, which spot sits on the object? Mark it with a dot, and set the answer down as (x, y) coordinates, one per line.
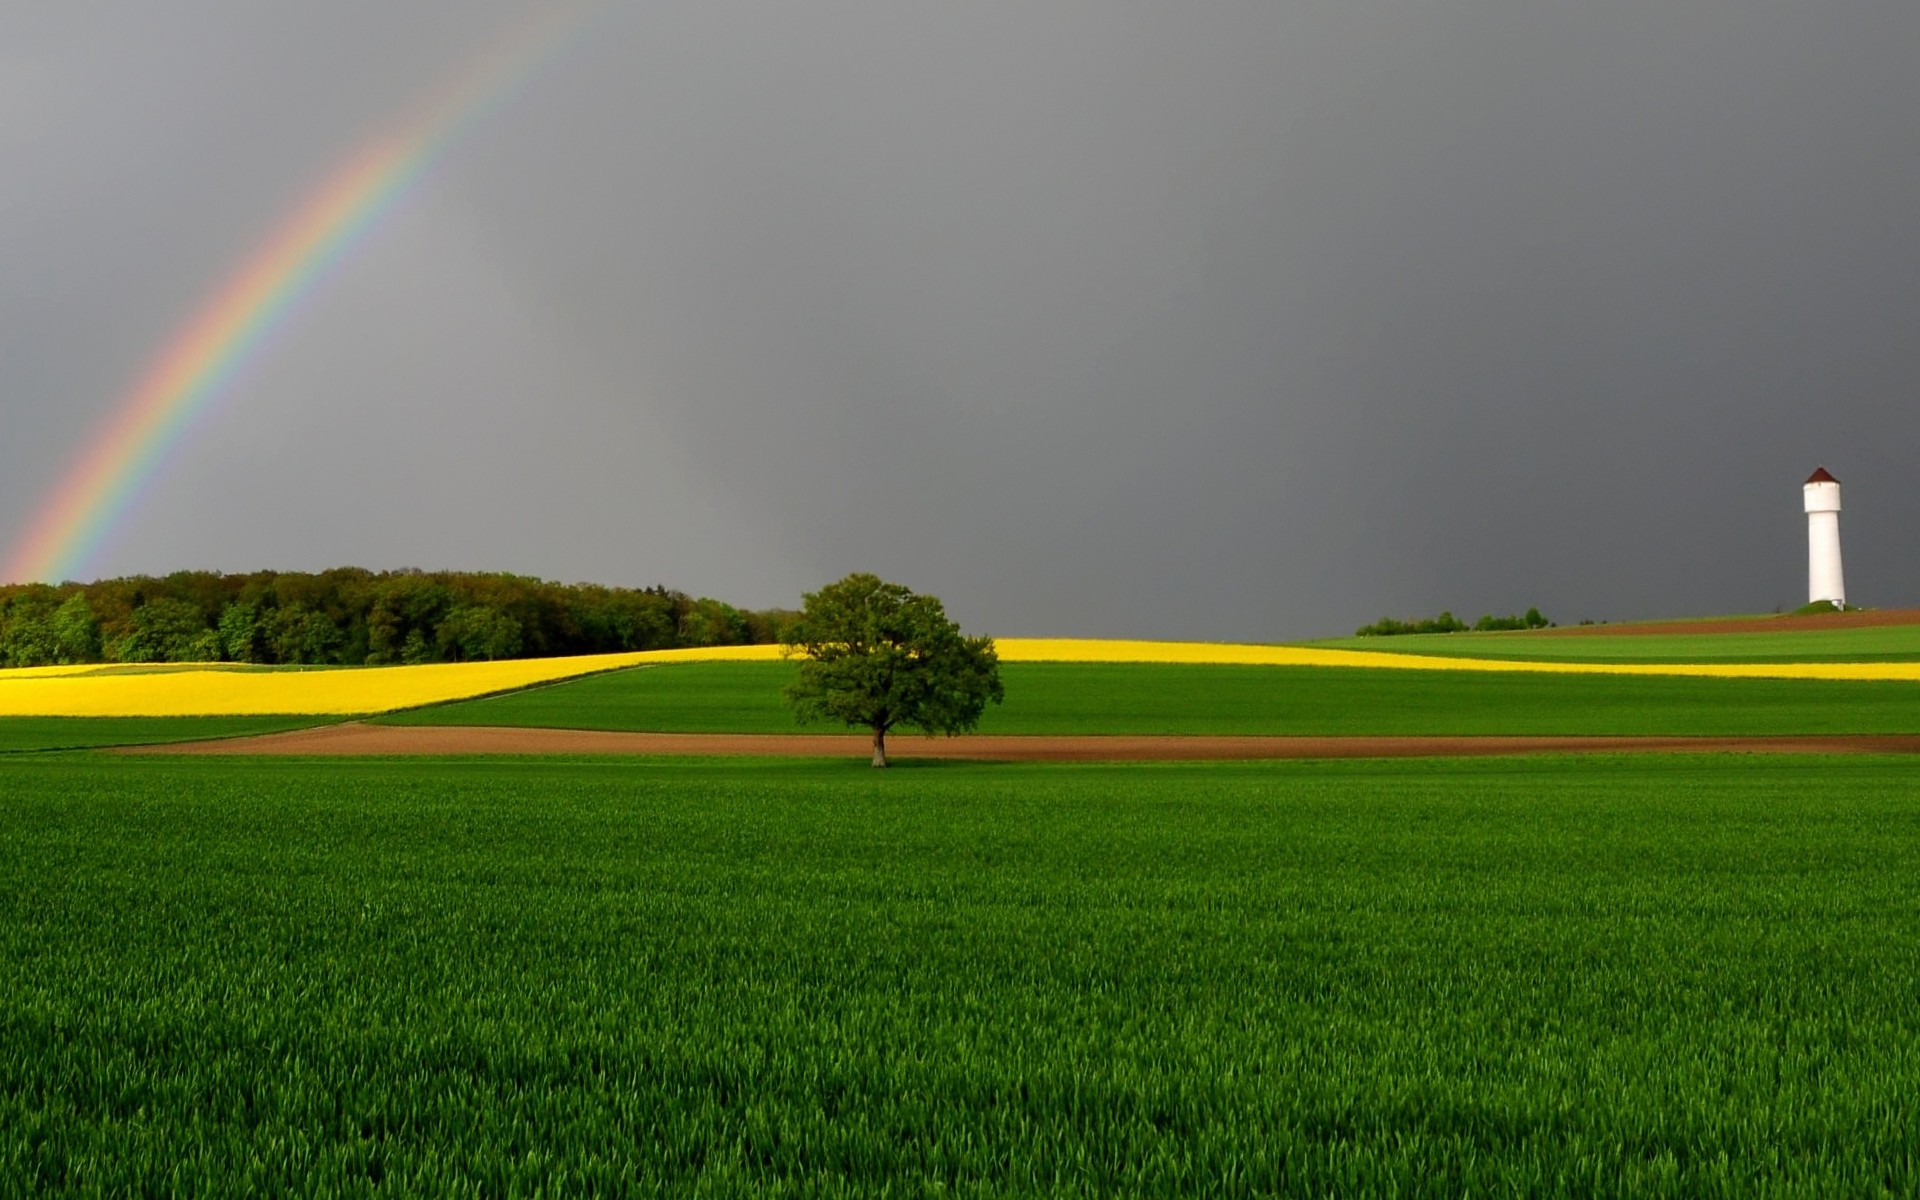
(351, 616)
(1446, 622)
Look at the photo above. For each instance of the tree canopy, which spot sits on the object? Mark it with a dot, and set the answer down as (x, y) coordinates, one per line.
(350, 616)
(875, 655)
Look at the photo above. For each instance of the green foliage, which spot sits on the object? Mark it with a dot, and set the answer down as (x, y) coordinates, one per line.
(27, 637)
(478, 632)
(75, 631)
(243, 636)
(351, 616)
(1817, 608)
(1538, 977)
(1161, 698)
(878, 656)
(711, 623)
(298, 634)
(416, 650)
(1532, 620)
(1446, 622)
(165, 629)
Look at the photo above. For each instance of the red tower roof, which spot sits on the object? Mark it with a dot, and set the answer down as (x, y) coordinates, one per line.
(1821, 475)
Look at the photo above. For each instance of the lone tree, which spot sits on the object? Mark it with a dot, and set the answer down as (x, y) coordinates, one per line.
(876, 655)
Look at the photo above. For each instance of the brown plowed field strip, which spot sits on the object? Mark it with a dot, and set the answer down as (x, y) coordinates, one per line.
(1785, 624)
(355, 739)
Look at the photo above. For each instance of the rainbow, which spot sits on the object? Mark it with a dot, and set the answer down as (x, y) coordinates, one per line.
(202, 360)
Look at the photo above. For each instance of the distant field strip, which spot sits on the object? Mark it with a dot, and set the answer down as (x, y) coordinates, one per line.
(230, 690)
(1885, 643)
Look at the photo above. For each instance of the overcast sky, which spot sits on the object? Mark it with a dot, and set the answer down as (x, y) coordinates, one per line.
(1250, 321)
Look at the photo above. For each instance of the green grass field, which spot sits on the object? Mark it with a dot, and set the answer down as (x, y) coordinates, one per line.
(1888, 643)
(19, 734)
(1163, 699)
(1679, 977)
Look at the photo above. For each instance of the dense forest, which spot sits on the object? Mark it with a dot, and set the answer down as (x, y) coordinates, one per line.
(353, 616)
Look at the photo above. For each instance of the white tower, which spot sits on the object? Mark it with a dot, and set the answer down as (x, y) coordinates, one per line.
(1823, 539)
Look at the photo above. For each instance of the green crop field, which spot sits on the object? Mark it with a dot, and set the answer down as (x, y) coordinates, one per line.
(1677, 977)
(1169, 699)
(65, 733)
(1886, 643)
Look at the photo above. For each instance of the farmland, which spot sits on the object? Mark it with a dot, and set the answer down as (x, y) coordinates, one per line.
(18, 734)
(1667, 976)
(1560, 974)
(1147, 698)
(226, 689)
(1883, 643)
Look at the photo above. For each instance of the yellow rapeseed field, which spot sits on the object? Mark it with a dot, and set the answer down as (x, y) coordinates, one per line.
(227, 690)
(1094, 650)
(230, 691)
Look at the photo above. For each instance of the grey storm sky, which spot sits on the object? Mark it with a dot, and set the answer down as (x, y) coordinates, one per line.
(1250, 321)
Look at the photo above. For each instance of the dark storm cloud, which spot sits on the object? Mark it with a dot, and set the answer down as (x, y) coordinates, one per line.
(1245, 321)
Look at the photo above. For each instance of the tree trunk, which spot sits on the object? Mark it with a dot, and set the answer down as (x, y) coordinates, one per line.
(879, 745)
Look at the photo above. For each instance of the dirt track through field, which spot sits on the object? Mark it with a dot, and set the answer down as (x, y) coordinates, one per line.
(354, 739)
